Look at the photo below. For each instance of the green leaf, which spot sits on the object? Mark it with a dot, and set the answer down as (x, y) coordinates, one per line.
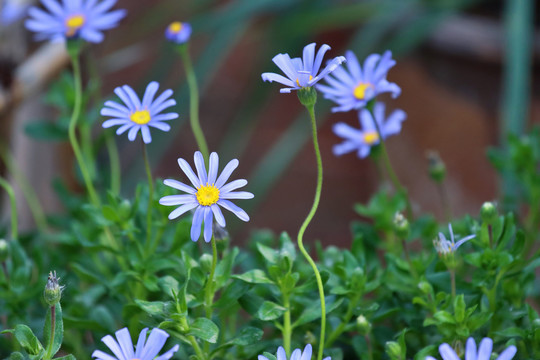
(254, 276)
(313, 312)
(269, 356)
(67, 357)
(248, 335)
(204, 329)
(26, 339)
(58, 330)
(444, 317)
(269, 254)
(270, 311)
(459, 308)
(16, 356)
(153, 308)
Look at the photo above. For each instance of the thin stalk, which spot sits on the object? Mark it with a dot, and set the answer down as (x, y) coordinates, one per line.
(150, 196)
(28, 191)
(184, 327)
(6, 272)
(341, 327)
(408, 257)
(453, 282)
(287, 330)
(194, 102)
(13, 202)
(490, 235)
(370, 347)
(311, 110)
(73, 128)
(114, 160)
(391, 173)
(49, 354)
(209, 288)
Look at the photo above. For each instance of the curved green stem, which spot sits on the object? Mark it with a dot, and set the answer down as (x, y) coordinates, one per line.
(193, 102)
(453, 282)
(150, 196)
(73, 128)
(311, 110)
(14, 219)
(345, 321)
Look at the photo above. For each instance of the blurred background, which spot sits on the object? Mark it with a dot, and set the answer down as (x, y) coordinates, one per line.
(467, 69)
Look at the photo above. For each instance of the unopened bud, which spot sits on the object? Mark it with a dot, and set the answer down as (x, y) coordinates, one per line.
(307, 96)
(363, 325)
(53, 291)
(488, 212)
(309, 338)
(393, 349)
(437, 169)
(4, 250)
(401, 226)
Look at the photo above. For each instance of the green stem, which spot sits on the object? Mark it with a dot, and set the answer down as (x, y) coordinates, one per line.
(194, 102)
(49, 353)
(408, 257)
(445, 201)
(209, 289)
(14, 219)
(114, 159)
(453, 282)
(27, 190)
(150, 196)
(73, 128)
(311, 110)
(345, 321)
(287, 330)
(184, 327)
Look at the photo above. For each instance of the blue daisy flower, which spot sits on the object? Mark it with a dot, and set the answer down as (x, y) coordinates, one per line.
(85, 19)
(147, 349)
(297, 354)
(207, 193)
(178, 32)
(361, 140)
(135, 115)
(302, 72)
(471, 353)
(445, 247)
(12, 11)
(353, 89)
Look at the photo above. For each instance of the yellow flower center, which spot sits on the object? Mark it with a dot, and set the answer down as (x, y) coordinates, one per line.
(360, 91)
(140, 117)
(74, 23)
(207, 195)
(371, 137)
(298, 81)
(175, 27)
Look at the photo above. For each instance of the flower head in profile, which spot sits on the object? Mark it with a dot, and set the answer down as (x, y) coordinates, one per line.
(208, 191)
(85, 19)
(353, 89)
(445, 247)
(472, 353)
(147, 349)
(302, 72)
(178, 32)
(361, 140)
(297, 354)
(136, 115)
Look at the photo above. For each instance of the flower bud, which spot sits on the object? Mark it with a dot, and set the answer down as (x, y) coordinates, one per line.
(307, 96)
(437, 169)
(53, 291)
(425, 287)
(393, 349)
(309, 338)
(401, 226)
(363, 325)
(488, 212)
(4, 250)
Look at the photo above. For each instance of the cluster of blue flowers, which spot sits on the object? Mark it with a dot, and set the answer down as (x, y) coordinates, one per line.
(355, 88)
